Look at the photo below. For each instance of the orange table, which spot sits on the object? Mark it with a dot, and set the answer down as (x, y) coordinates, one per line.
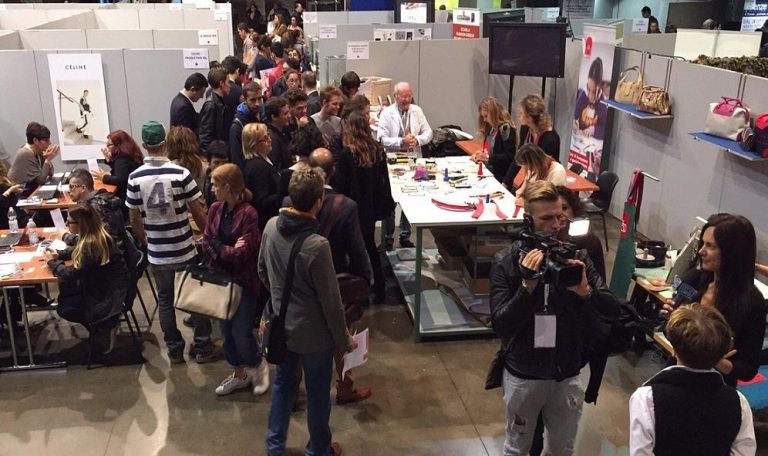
(30, 273)
(64, 201)
(573, 181)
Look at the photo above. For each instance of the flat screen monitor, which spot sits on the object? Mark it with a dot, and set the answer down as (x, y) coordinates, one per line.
(512, 15)
(420, 12)
(520, 49)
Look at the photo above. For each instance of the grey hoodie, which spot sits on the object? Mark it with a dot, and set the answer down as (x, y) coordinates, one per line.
(315, 318)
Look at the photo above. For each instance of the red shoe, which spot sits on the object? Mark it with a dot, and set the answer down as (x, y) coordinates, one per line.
(351, 395)
(335, 449)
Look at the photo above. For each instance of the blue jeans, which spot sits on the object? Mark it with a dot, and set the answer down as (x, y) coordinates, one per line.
(164, 276)
(318, 372)
(240, 346)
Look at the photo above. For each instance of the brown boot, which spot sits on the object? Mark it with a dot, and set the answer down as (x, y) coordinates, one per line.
(346, 393)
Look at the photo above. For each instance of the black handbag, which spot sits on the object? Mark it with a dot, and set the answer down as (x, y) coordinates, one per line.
(274, 344)
(495, 376)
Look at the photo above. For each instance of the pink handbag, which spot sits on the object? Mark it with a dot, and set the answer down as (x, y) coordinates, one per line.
(727, 118)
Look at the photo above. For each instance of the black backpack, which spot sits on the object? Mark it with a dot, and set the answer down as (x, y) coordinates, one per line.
(443, 143)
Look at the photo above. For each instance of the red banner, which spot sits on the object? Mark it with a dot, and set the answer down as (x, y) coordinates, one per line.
(463, 32)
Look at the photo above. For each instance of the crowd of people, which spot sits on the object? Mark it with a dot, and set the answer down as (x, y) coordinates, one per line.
(273, 164)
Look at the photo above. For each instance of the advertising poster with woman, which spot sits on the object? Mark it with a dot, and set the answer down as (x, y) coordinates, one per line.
(590, 117)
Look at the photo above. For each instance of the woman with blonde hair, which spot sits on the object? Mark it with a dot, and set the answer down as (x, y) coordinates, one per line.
(262, 177)
(231, 243)
(184, 150)
(93, 289)
(497, 129)
(538, 166)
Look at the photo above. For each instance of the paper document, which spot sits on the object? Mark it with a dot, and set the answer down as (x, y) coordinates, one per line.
(358, 356)
(93, 164)
(58, 219)
(16, 257)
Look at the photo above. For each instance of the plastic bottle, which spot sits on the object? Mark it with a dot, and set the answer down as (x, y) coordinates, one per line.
(13, 222)
(32, 232)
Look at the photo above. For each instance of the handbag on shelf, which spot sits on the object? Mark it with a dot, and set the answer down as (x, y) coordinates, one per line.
(207, 291)
(727, 118)
(629, 91)
(274, 342)
(747, 139)
(654, 100)
(761, 135)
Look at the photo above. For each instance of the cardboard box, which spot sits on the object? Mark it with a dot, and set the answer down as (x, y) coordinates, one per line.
(451, 250)
(476, 275)
(375, 87)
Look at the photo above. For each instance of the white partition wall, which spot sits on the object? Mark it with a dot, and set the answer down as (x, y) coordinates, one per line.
(53, 39)
(157, 19)
(9, 40)
(398, 60)
(113, 19)
(14, 114)
(119, 39)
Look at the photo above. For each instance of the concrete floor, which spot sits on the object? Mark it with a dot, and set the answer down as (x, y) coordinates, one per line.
(428, 400)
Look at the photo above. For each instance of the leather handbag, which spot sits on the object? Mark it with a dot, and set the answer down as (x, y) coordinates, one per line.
(727, 118)
(629, 91)
(207, 291)
(274, 342)
(761, 135)
(654, 100)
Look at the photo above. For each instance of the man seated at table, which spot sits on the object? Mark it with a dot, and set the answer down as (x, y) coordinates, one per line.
(34, 161)
(108, 205)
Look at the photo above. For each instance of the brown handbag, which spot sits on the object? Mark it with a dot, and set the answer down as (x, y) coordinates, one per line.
(654, 100)
(629, 91)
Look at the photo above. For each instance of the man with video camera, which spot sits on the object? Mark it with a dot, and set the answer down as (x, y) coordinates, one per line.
(542, 336)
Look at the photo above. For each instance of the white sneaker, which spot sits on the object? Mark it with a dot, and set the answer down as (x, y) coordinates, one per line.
(260, 378)
(232, 383)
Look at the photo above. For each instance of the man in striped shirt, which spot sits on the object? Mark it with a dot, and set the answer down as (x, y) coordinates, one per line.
(160, 197)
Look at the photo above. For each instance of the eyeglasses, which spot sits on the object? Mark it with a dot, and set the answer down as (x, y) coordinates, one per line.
(76, 185)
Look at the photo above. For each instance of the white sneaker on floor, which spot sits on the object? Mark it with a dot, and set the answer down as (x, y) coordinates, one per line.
(232, 383)
(260, 378)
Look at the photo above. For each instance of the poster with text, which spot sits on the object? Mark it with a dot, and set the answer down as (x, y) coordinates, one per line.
(590, 116)
(80, 102)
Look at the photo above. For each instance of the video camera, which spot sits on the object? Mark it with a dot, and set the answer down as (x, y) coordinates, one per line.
(555, 268)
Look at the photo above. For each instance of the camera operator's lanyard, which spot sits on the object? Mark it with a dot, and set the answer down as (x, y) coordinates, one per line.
(545, 325)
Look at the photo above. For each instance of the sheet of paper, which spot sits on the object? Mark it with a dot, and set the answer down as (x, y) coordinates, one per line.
(358, 50)
(220, 14)
(93, 164)
(640, 25)
(208, 37)
(310, 17)
(195, 59)
(328, 31)
(58, 219)
(358, 356)
(16, 257)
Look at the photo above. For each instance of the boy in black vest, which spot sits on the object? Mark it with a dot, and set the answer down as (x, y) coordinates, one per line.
(688, 408)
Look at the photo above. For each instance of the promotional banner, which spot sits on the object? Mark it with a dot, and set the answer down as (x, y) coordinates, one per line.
(466, 23)
(755, 15)
(80, 102)
(590, 118)
(579, 9)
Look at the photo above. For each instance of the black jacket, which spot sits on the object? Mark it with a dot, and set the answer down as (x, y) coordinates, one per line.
(236, 137)
(263, 180)
(504, 150)
(122, 166)
(513, 311)
(7, 203)
(281, 148)
(213, 122)
(313, 103)
(183, 113)
(746, 319)
(232, 101)
(368, 186)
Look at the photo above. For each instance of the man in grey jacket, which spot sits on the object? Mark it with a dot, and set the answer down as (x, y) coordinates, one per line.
(314, 322)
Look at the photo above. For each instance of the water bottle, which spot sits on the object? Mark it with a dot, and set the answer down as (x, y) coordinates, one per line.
(32, 232)
(13, 222)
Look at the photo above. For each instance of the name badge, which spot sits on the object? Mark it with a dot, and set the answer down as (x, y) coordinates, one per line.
(545, 331)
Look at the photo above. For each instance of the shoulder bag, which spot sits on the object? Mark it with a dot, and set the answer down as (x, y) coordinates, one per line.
(274, 343)
(727, 118)
(207, 291)
(629, 91)
(654, 100)
(354, 290)
(761, 135)
(495, 376)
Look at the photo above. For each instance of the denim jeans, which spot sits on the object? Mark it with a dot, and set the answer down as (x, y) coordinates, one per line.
(164, 277)
(318, 372)
(240, 346)
(388, 226)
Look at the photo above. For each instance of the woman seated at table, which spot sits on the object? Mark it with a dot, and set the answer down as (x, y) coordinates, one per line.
(538, 166)
(123, 157)
(725, 280)
(93, 288)
(9, 196)
(497, 129)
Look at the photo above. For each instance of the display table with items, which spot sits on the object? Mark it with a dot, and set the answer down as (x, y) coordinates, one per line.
(54, 194)
(467, 211)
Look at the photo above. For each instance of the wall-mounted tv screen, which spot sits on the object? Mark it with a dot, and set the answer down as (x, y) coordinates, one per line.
(520, 49)
(420, 12)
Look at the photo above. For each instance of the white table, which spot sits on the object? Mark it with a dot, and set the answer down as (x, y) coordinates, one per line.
(424, 214)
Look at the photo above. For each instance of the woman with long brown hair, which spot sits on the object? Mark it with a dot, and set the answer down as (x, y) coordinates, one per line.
(535, 128)
(497, 129)
(231, 242)
(93, 289)
(538, 166)
(362, 176)
(123, 157)
(184, 150)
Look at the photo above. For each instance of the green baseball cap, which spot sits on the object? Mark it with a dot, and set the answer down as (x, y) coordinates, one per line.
(152, 134)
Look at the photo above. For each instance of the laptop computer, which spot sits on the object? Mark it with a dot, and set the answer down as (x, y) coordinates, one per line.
(10, 239)
(688, 255)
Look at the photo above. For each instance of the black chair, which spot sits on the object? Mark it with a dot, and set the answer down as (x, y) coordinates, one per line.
(137, 263)
(577, 168)
(111, 325)
(599, 201)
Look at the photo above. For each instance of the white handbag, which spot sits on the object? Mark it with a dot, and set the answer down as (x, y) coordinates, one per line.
(207, 291)
(727, 118)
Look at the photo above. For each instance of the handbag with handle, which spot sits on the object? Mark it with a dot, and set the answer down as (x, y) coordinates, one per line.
(207, 291)
(727, 118)
(654, 100)
(274, 344)
(629, 91)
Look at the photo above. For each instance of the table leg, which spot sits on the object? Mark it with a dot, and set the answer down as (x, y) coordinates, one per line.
(10, 322)
(26, 327)
(417, 288)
